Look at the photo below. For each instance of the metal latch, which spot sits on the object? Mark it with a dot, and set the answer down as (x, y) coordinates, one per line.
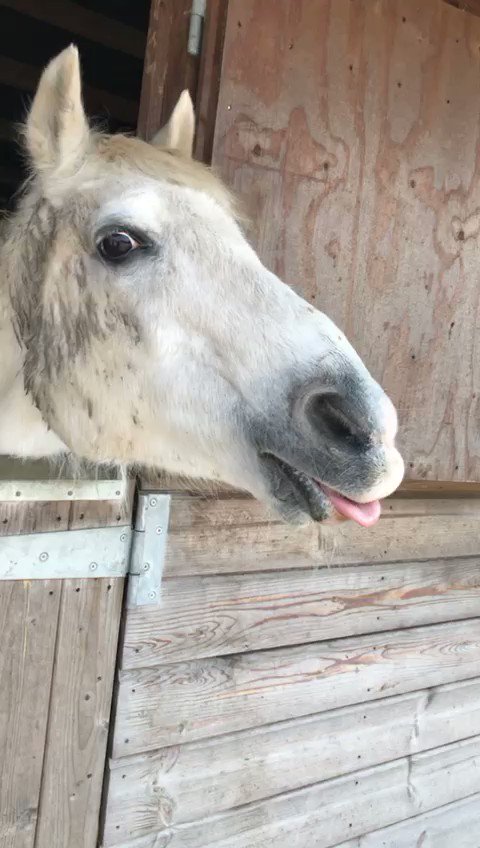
(197, 16)
(149, 544)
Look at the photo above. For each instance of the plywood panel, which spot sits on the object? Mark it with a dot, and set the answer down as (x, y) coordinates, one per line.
(330, 812)
(28, 627)
(453, 825)
(238, 535)
(193, 700)
(79, 713)
(351, 130)
(153, 791)
(209, 616)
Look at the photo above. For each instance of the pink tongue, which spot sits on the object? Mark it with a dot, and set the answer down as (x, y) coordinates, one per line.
(365, 514)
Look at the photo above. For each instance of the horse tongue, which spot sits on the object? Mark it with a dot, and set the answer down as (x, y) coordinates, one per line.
(365, 514)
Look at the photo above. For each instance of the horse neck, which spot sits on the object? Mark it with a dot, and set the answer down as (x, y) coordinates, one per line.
(23, 431)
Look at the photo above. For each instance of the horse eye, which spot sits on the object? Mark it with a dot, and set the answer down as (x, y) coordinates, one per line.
(116, 246)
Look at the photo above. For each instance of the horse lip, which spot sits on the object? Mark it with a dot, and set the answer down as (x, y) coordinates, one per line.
(310, 496)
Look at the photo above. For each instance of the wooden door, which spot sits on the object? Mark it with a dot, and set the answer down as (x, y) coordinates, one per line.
(351, 130)
(58, 645)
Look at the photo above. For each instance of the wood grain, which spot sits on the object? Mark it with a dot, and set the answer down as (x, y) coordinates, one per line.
(235, 535)
(210, 616)
(28, 627)
(79, 713)
(35, 517)
(150, 792)
(168, 67)
(327, 813)
(453, 825)
(351, 131)
(209, 77)
(194, 700)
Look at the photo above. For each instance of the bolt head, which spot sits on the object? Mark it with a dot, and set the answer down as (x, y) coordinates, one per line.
(93, 566)
(146, 566)
(153, 501)
(43, 556)
(152, 595)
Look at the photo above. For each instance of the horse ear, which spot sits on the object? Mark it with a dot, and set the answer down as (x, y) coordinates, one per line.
(57, 130)
(179, 132)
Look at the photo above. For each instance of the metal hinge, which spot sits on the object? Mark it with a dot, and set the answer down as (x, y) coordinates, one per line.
(197, 16)
(149, 543)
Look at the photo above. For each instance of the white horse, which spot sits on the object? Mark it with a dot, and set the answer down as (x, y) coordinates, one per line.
(137, 326)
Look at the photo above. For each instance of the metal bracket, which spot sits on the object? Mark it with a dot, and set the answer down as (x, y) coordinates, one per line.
(149, 545)
(66, 554)
(197, 16)
(37, 480)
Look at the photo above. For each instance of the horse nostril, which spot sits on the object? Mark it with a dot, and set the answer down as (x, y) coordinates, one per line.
(329, 416)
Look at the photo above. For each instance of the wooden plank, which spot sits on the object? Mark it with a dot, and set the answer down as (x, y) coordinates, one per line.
(350, 130)
(28, 626)
(209, 77)
(193, 700)
(327, 813)
(79, 713)
(209, 616)
(168, 67)
(147, 793)
(78, 20)
(453, 825)
(18, 518)
(91, 514)
(234, 535)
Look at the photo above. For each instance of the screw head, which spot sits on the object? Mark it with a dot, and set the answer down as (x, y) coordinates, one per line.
(93, 566)
(158, 531)
(152, 595)
(43, 556)
(123, 537)
(153, 501)
(146, 566)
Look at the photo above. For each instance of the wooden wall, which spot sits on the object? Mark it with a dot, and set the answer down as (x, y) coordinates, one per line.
(292, 678)
(351, 130)
(58, 645)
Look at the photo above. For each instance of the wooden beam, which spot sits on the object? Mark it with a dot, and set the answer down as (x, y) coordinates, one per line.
(168, 66)
(78, 20)
(209, 77)
(25, 77)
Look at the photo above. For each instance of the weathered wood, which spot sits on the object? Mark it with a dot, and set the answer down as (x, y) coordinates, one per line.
(89, 514)
(193, 700)
(210, 616)
(452, 826)
(28, 626)
(209, 77)
(235, 535)
(79, 713)
(330, 812)
(38, 517)
(168, 66)
(354, 145)
(78, 20)
(150, 792)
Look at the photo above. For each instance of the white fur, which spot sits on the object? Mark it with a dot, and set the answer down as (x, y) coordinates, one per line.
(219, 332)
